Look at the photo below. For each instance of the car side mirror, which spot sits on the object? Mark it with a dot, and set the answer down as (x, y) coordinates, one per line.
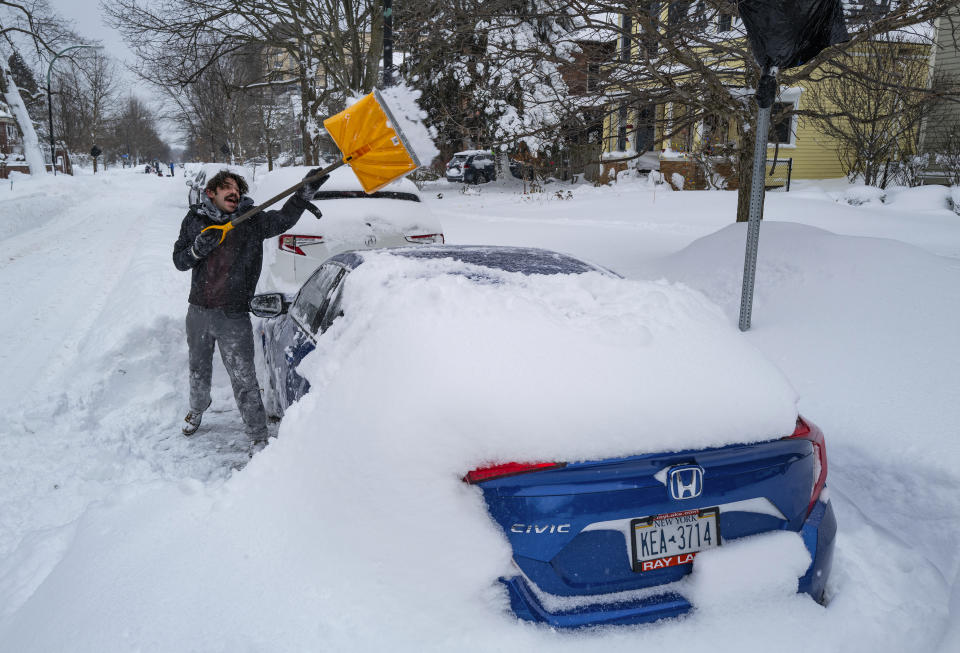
(269, 305)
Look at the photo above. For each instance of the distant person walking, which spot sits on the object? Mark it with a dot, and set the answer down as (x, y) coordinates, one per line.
(171, 168)
(224, 279)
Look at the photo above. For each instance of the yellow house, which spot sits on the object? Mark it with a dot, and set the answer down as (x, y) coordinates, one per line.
(801, 148)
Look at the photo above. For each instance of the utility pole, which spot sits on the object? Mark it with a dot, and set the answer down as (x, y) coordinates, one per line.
(387, 43)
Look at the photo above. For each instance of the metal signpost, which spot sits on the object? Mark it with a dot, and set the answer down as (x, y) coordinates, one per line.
(782, 34)
(766, 92)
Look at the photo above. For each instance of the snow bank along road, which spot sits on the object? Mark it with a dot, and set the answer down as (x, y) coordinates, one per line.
(94, 360)
(93, 354)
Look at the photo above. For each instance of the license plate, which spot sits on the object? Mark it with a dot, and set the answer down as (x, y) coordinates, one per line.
(673, 539)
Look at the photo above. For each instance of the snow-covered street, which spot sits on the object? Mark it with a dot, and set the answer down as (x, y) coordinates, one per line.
(857, 305)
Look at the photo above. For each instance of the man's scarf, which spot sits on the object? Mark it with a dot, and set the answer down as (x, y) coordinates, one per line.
(212, 211)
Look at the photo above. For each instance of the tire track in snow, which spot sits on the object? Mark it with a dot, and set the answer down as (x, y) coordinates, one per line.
(61, 294)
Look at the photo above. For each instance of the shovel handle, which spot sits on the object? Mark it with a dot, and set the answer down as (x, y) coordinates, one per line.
(279, 196)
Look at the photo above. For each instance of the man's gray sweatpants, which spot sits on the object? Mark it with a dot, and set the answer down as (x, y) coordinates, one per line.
(233, 335)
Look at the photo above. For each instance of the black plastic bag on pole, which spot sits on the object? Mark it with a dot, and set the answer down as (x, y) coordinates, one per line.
(788, 33)
(782, 34)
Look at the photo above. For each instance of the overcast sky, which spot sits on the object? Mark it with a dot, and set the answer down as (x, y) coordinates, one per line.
(89, 22)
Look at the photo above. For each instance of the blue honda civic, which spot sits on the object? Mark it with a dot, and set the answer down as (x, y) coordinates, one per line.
(612, 535)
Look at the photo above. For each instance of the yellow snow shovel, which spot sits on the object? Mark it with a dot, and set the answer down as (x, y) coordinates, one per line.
(371, 143)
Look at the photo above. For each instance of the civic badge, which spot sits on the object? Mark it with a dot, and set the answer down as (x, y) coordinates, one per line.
(685, 481)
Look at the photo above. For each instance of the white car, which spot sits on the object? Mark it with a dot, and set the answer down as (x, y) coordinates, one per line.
(472, 167)
(394, 216)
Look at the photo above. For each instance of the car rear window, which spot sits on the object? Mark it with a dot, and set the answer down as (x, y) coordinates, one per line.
(359, 194)
(523, 260)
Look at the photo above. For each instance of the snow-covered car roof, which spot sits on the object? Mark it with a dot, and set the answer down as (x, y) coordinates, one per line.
(466, 258)
(471, 152)
(192, 169)
(577, 366)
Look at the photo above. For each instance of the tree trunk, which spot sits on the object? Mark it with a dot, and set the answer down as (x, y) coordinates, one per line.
(374, 53)
(31, 144)
(745, 172)
(309, 151)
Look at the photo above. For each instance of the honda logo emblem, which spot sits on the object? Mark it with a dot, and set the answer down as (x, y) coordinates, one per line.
(685, 481)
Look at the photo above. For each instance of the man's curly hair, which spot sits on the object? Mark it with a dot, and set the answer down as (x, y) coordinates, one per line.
(219, 180)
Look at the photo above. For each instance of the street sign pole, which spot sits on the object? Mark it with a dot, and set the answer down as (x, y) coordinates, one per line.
(766, 92)
(387, 43)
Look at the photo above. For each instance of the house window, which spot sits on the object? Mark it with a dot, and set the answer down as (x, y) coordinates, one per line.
(781, 126)
(622, 128)
(716, 134)
(677, 13)
(593, 76)
(625, 41)
(644, 133)
(724, 22)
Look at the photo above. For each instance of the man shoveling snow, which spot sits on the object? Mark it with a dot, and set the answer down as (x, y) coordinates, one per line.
(226, 267)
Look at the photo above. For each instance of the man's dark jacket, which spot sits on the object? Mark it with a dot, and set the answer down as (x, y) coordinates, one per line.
(227, 278)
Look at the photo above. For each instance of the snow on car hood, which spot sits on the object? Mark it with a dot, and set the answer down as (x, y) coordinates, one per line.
(558, 367)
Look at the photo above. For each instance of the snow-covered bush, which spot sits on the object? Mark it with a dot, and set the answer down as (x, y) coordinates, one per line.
(656, 181)
(953, 199)
(909, 171)
(948, 155)
(860, 195)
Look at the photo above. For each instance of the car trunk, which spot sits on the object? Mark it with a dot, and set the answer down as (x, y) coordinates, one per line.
(572, 528)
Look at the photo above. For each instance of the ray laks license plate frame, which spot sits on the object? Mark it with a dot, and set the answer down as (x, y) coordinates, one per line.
(683, 533)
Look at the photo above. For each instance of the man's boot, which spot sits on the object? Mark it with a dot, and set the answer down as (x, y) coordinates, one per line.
(192, 421)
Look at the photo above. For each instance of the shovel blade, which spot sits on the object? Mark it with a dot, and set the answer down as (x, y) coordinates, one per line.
(371, 142)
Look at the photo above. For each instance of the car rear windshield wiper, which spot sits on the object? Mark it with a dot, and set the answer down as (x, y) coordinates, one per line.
(354, 194)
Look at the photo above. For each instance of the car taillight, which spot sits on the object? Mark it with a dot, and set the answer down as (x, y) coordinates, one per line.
(466, 166)
(425, 239)
(507, 469)
(808, 431)
(292, 243)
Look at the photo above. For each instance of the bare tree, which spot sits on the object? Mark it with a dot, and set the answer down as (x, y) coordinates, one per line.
(85, 95)
(28, 22)
(875, 114)
(492, 73)
(328, 48)
(134, 132)
(686, 62)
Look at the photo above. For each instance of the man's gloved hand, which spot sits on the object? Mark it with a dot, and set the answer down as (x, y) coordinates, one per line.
(206, 242)
(307, 191)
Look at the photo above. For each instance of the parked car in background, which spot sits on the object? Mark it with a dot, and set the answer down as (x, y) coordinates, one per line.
(594, 542)
(394, 216)
(472, 167)
(521, 169)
